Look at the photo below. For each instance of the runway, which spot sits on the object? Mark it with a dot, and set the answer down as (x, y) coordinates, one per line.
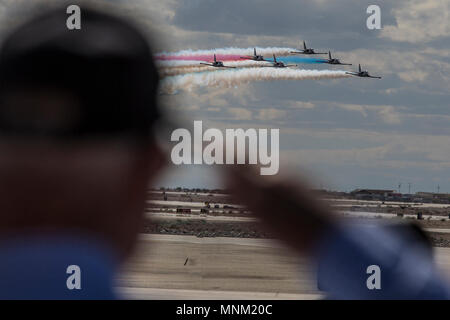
(187, 267)
(161, 216)
(176, 294)
(157, 216)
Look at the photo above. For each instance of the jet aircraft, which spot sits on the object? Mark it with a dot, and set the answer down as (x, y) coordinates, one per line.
(279, 64)
(307, 50)
(335, 61)
(216, 64)
(362, 73)
(255, 57)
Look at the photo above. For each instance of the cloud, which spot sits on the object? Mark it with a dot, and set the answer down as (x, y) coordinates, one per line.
(240, 114)
(300, 104)
(354, 107)
(389, 115)
(354, 131)
(271, 114)
(418, 151)
(413, 76)
(344, 19)
(420, 21)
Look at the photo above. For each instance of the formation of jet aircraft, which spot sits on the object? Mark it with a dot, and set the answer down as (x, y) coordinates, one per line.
(278, 64)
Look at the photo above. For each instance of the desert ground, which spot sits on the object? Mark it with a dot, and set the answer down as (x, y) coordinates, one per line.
(188, 267)
(218, 250)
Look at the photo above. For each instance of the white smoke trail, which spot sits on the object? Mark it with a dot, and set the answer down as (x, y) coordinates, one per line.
(190, 63)
(195, 66)
(231, 51)
(176, 63)
(230, 78)
(168, 72)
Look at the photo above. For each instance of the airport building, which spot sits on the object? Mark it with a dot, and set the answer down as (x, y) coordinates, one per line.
(430, 197)
(372, 194)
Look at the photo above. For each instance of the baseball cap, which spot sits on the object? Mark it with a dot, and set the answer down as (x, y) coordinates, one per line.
(59, 83)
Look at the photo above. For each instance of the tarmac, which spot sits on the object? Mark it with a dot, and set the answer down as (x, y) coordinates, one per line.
(187, 267)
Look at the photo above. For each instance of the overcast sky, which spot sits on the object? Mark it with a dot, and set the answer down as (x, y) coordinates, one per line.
(346, 133)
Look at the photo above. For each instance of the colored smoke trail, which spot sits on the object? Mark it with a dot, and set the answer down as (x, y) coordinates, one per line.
(167, 72)
(176, 63)
(237, 63)
(190, 63)
(230, 78)
(182, 70)
(298, 59)
(224, 54)
(209, 57)
(196, 67)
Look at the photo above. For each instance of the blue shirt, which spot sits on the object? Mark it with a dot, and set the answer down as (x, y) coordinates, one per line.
(37, 268)
(406, 268)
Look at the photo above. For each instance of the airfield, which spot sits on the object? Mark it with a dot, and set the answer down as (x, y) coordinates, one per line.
(183, 261)
(187, 267)
(223, 267)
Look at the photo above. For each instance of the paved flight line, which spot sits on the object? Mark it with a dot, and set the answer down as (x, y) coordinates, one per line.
(165, 216)
(176, 294)
(223, 268)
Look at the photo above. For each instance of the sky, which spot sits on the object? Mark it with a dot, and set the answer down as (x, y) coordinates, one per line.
(344, 133)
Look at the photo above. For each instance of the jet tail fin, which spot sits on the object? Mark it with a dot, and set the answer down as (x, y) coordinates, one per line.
(329, 54)
(254, 51)
(304, 45)
(274, 59)
(215, 59)
(360, 68)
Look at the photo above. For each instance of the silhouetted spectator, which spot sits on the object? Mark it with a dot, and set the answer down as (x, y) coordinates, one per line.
(77, 153)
